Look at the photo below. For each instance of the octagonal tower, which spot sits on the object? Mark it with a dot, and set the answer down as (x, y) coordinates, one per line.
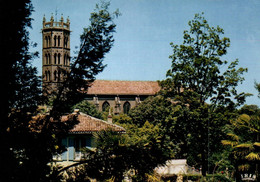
(55, 53)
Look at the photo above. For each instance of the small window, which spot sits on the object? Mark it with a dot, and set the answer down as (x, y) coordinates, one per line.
(46, 41)
(79, 144)
(65, 59)
(127, 107)
(58, 41)
(55, 75)
(65, 42)
(59, 74)
(59, 58)
(68, 60)
(49, 41)
(55, 58)
(49, 76)
(46, 76)
(49, 58)
(55, 41)
(105, 106)
(46, 59)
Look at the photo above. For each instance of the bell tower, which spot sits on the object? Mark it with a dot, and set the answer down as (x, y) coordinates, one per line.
(55, 53)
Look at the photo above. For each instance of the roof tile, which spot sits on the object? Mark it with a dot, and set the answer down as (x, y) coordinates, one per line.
(89, 124)
(116, 87)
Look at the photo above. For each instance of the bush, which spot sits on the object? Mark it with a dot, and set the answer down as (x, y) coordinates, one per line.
(217, 177)
(198, 178)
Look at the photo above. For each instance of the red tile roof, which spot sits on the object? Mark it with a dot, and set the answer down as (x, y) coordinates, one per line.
(115, 87)
(89, 124)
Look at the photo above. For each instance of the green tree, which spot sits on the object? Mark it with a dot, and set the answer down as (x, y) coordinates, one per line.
(21, 90)
(199, 75)
(116, 154)
(28, 141)
(161, 112)
(243, 138)
(88, 108)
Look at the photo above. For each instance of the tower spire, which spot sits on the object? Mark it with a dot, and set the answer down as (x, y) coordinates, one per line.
(56, 12)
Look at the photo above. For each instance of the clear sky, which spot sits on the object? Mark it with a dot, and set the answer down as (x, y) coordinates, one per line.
(146, 28)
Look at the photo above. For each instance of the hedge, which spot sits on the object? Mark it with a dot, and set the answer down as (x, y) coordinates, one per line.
(198, 178)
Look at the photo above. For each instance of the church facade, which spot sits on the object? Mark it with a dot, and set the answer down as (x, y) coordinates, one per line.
(121, 96)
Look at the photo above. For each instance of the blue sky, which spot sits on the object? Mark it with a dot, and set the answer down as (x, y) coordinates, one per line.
(146, 28)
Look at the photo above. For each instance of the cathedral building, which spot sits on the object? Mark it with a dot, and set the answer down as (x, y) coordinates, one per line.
(117, 96)
(121, 96)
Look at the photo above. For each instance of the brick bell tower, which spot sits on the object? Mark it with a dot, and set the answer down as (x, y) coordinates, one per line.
(55, 53)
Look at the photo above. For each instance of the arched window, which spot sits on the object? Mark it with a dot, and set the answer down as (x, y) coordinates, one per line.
(59, 58)
(58, 41)
(49, 41)
(126, 107)
(46, 41)
(65, 59)
(65, 42)
(59, 74)
(55, 75)
(105, 106)
(49, 58)
(49, 76)
(46, 59)
(55, 38)
(64, 74)
(46, 75)
(55, 58)
(68, 60)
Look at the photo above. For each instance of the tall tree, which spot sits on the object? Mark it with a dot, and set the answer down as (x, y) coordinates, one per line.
(20, 86)
(199, 75)
(28, 141)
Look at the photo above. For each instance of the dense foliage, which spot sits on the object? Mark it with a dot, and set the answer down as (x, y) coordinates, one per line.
(28, 140)
(20, 93)
(87, 108)
(243, 139)
(207, 92)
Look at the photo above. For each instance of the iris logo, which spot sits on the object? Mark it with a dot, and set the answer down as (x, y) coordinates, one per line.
(248, 177)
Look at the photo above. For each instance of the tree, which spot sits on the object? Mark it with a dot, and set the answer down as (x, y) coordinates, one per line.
(20, 88)
(95, 42)
(116, 154)
(29, 140)
(197, 76)
(87, 108)
(243, 138)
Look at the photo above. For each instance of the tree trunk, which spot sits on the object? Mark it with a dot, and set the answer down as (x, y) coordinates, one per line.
(204, 163)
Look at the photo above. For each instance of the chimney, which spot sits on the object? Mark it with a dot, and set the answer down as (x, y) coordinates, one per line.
(109, 117)
(76, 111)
